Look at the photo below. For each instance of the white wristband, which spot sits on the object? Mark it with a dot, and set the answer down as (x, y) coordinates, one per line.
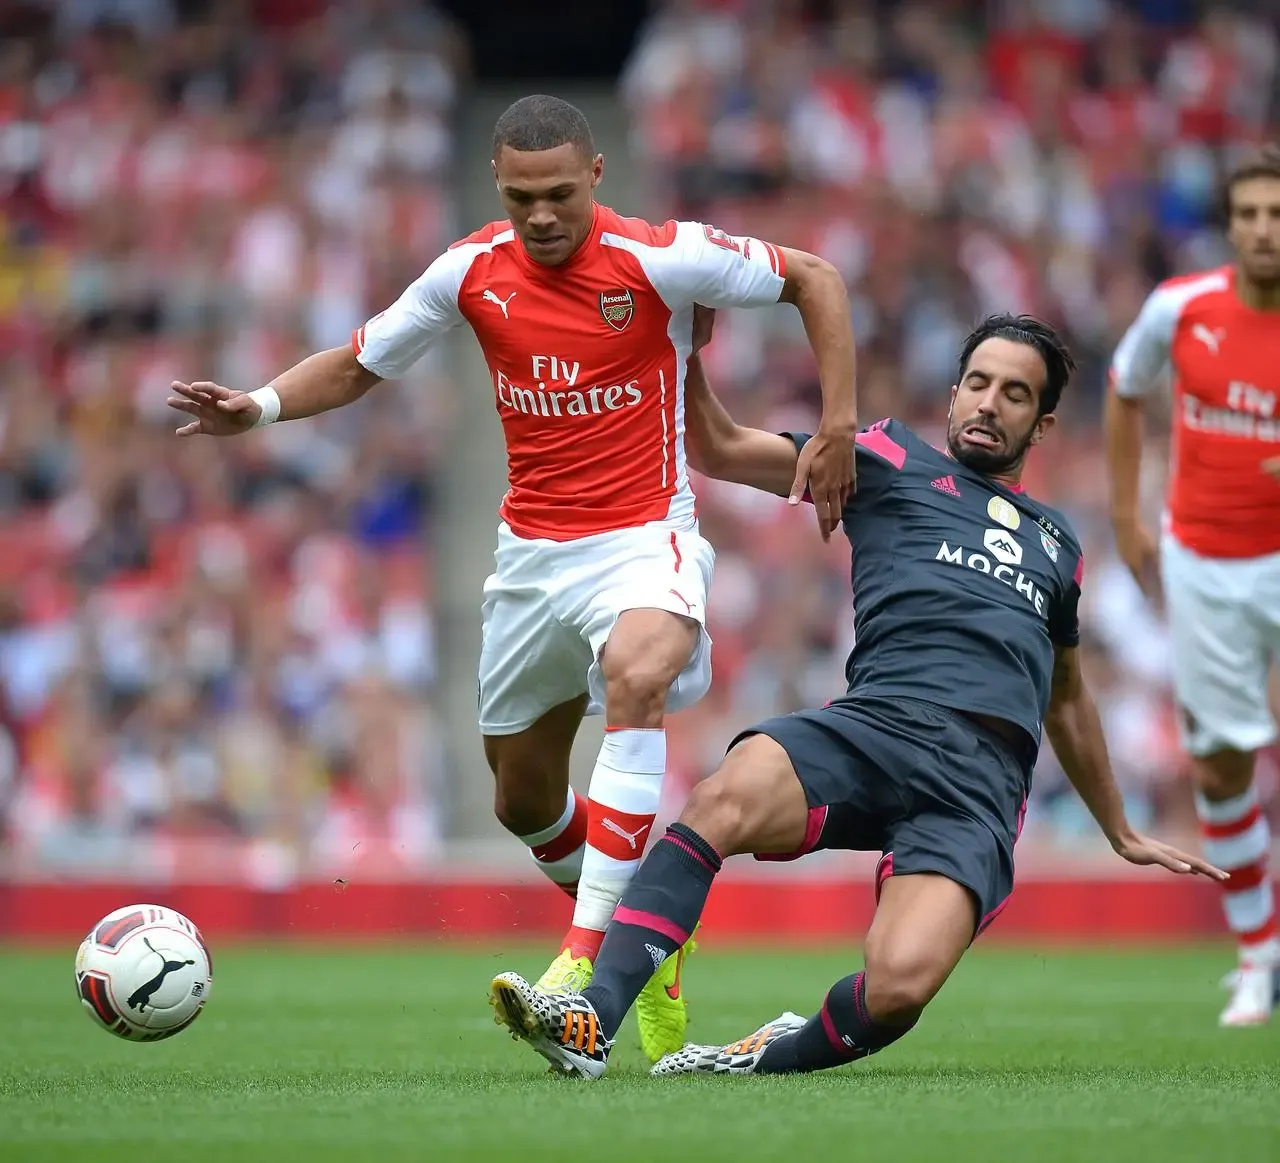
(268, 399)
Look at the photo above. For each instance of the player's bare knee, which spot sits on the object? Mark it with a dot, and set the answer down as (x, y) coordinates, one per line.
(636, 690)
(1224, 774)
(718, 811)
(645, 654)
(898, 985)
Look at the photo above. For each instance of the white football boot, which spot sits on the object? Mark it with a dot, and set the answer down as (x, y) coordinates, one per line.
(563, 1027)
(1255, 993)
(741, 1057)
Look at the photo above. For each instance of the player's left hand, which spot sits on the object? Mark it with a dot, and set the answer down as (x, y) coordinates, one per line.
(826, 468)
(1139, 849)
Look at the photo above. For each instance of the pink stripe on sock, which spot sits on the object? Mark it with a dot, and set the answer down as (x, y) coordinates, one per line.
(625, 916)
(829, 1026)
(689, 848)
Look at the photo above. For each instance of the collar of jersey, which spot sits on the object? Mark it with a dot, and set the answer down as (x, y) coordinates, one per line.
(538, 270)
(1233, 284)
(1018, 490)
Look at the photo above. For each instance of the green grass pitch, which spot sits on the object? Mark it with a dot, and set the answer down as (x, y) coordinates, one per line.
(377, 1054)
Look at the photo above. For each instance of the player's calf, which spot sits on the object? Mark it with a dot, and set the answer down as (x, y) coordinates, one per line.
(532, 798)
(922, 927)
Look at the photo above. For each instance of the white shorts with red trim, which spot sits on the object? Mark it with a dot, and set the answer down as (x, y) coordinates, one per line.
(1224, 625)
(550, 606)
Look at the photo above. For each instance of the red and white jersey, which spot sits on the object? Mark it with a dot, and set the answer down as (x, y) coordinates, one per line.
(1225, 359)
(587, 359)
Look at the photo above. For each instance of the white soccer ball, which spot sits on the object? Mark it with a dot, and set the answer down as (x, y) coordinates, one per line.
(143, 973)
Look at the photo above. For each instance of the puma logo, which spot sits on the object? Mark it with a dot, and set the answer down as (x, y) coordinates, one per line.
(141, 997)
(618, 830)
(490, 297)
(687, 604)
(1211, 338)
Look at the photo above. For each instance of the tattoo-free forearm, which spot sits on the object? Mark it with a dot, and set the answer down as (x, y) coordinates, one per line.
(1122, 431)
(823, 302)
(1075, 730)
(329, 379)
(721, 448)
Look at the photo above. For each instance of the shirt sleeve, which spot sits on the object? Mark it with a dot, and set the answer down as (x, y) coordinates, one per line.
(716, 269)
(1064, 621)
(1138, 365)
(394, 340)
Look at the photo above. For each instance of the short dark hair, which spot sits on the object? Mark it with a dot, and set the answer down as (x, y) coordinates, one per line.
(540, 122)
(1262, 163)
(1026, 329)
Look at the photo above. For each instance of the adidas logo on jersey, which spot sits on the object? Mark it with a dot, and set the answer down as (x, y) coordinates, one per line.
(946, 485)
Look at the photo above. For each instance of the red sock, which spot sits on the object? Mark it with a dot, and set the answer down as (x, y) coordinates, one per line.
(582, 942)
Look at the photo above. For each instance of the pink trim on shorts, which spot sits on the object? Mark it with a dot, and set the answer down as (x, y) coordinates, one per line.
(812, 834)
(884, 870)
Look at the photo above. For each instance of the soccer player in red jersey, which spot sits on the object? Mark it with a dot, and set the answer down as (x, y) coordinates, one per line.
(1219, 553)
(598, 599)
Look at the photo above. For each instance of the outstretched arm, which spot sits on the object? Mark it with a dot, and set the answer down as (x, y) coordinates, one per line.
(721, 448)
(1075, 730)
(328, 379)
(384, 348)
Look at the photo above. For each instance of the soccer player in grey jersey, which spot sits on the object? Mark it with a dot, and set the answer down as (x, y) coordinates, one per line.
(965, 594)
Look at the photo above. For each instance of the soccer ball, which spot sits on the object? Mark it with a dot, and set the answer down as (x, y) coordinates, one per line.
(143, 973)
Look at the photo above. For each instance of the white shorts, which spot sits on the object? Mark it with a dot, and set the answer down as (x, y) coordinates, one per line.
(550, 606)
(1224, 625)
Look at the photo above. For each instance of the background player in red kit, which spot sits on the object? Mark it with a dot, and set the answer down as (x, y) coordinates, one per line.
(1219, 332)
(598, 597)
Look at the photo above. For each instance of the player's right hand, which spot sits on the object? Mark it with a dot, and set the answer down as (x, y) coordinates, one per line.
(217, 411)
(1136, 545)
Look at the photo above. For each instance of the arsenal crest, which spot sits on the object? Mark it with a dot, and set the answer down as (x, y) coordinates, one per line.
(617, 306)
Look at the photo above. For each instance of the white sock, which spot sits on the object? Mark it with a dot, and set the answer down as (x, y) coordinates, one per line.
(626, 785)
(558, 850)
(1236, 838)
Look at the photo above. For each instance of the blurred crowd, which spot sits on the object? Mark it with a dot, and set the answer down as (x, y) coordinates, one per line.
(220, 656)
(215, 655)
(953, 159)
